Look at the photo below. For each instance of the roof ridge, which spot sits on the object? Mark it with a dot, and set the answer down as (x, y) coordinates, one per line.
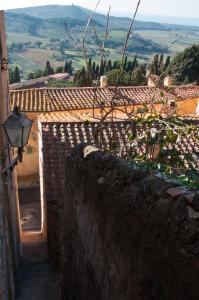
(85, 88)
(62, 99)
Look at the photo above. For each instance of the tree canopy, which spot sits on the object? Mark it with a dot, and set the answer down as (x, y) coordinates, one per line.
(83, 78)
(184, 68)
(158, 66)
(135, 77)
(15, 75)
(48, 70)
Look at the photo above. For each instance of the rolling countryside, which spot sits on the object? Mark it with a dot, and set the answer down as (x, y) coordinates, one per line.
(38, 34)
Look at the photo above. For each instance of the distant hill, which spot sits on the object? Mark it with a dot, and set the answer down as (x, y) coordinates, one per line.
(80, 13)
(54, 11)
(37, 34)
(49, 22)
(24, 23)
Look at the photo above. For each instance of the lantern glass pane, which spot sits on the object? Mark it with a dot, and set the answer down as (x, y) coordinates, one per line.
(15, 136)
(26, 132)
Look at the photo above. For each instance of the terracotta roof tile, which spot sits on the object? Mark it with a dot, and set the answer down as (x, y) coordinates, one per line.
(62, 99)
(186, 91)
(61, 136)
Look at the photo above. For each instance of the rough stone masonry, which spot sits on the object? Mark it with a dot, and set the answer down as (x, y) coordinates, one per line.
(128, 235)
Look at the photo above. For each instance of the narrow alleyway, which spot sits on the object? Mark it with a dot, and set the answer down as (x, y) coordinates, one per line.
(30, 208)
(37, 279)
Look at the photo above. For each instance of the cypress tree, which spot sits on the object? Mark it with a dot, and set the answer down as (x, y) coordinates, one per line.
(129, 66)
(135, 63)
(16, 75)
(83, 78)
(68, 67)
(48, 70)
(167, 62)
(125, 63)
(94, 69)
(139, 75)
(90, 62)
(154, 68)
(52, 71)
(97, 70)
(109, 66)
(161, 64)
(116, 65)
(102, 67)
(11, 76)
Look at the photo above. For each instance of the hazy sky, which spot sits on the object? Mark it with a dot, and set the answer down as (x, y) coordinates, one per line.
(186, 8)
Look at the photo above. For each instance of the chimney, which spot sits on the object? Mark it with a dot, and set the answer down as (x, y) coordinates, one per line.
(168, 81)
(153, 80)
(103, 81)
(147, 74)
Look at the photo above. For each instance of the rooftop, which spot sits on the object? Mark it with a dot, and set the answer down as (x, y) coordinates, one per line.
(58, 140)
(186, 91)
(63, 99)
(60, 135)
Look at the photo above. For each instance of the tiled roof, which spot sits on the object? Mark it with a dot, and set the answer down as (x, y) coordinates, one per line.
(62, 99)
(29, 100)
(186, 91)
(61, 136)
(58, 140)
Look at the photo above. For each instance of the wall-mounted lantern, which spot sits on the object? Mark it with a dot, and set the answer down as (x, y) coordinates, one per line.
(17, 128)
(3, 60)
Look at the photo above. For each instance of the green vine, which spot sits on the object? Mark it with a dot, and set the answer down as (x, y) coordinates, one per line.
(162, 143)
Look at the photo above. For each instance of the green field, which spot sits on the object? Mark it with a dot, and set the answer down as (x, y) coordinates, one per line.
(34, 58)
(32, 40)
(175, 41)
(19, 37)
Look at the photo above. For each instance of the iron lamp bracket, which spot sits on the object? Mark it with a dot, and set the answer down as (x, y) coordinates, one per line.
(14, 162)
(4, 64)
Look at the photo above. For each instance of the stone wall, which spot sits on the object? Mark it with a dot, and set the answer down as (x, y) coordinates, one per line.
(6, 261)
(9, 221)
(128, 234)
